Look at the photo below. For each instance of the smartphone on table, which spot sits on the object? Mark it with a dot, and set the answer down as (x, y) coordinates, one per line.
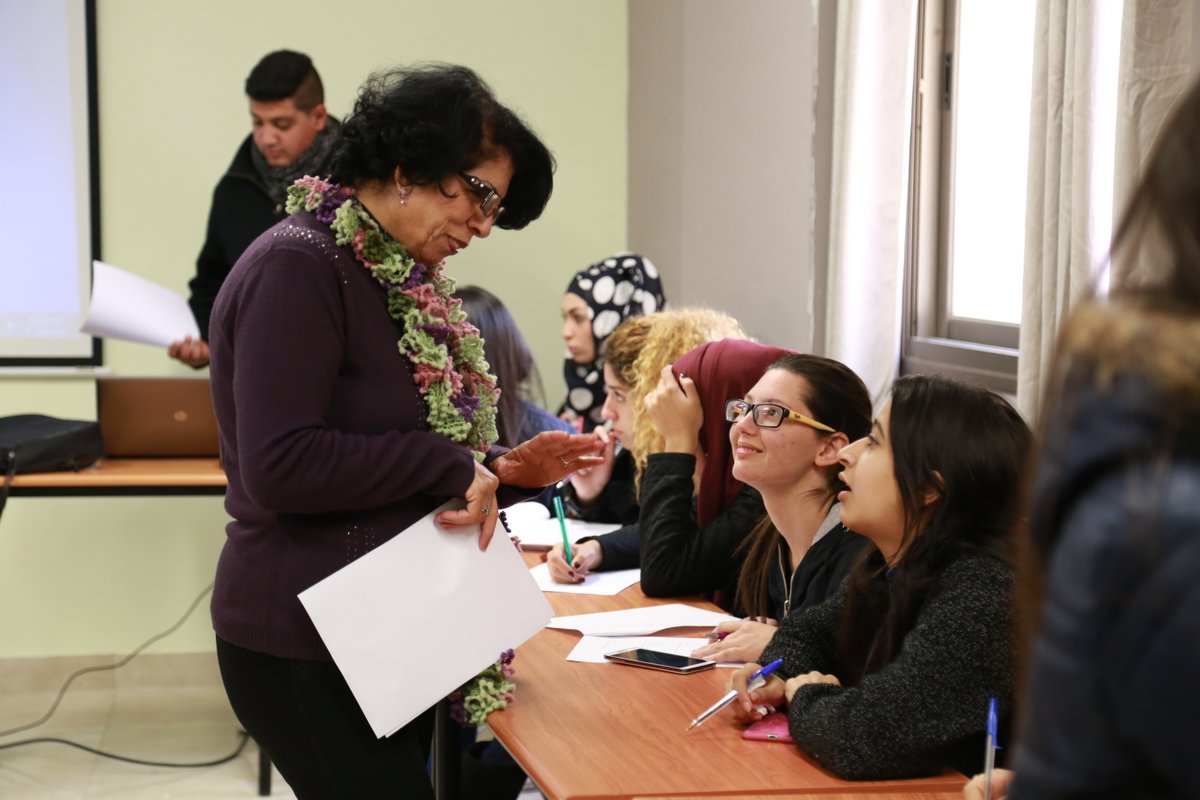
(655, 659)
(771, 728)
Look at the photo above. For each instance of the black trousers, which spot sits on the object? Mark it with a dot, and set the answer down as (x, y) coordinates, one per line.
(303, 715)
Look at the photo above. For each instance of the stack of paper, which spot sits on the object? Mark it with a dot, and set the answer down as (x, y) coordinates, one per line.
(371, 616)
(127, 306)
(640, 621)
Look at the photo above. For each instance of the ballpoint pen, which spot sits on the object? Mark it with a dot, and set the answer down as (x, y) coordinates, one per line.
(989, 754)
(757, 680)
(562, 525)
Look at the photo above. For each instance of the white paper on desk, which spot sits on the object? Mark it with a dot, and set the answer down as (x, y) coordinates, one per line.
(532, 523)
(639, 621)
(127, 306)
(420, 615)
(606, 583)
(591, 649)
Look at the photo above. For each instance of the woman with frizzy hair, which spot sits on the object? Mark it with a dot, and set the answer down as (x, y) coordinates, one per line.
(633, 359)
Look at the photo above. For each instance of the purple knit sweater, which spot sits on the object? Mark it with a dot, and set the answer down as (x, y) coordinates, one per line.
(323, 433)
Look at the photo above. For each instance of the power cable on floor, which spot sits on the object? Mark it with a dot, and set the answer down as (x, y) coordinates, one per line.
(116, 665)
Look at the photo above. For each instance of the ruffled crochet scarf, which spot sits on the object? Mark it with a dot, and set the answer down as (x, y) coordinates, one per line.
(444, 350)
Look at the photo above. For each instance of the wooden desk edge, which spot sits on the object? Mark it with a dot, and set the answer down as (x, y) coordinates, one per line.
(128, 473)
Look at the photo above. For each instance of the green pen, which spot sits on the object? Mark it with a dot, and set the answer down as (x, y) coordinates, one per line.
(562, 525)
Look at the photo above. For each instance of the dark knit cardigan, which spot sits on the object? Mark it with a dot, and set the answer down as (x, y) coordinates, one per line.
(927, 709)
(323, 434)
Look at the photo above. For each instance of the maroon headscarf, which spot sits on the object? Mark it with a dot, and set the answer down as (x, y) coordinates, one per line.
(722, 370)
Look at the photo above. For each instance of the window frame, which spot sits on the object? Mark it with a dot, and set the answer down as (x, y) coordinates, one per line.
(933, 341)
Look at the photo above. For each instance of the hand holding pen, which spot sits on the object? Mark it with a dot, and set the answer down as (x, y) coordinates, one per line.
(587, 557)
(753, 678)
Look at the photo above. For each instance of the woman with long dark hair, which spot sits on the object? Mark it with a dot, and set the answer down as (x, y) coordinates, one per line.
(891, 676)
(1111, 588)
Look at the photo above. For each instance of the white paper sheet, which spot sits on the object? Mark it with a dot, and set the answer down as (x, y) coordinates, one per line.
(421, 614)
(591, 649)
(127, 306)
(639, 621)
(606, 583)
(532, 523)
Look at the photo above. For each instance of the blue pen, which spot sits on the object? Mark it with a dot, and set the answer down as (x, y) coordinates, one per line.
(757, 680)
(989, 754)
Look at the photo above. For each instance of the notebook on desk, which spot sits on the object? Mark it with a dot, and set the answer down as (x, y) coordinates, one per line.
(156, 417)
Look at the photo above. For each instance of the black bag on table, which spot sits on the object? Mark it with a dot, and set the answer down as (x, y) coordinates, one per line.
(37, 443)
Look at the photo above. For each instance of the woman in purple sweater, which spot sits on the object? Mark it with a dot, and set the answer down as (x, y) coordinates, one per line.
(353, 399)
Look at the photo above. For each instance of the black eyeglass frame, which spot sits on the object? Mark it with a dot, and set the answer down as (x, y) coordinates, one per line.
(736, 409)
(489, 198)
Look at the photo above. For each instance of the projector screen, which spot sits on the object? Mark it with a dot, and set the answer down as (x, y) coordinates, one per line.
(49, 216)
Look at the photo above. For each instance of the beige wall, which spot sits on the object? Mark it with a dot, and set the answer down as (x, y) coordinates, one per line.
(721, 131)
(95, 576)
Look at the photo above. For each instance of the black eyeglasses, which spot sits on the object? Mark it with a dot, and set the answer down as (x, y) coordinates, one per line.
(489, 198)
(768, 415)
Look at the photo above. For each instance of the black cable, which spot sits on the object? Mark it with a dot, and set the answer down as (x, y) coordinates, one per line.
(52, 740)
(78, 673)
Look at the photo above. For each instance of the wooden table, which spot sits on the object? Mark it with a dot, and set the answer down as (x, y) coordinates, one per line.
(608, 731)
(917, 795)
(111, 477)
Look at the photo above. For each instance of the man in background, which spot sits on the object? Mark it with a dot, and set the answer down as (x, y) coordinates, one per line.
(291, 136)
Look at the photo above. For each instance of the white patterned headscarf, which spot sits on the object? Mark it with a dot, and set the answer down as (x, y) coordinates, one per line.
(621, 286)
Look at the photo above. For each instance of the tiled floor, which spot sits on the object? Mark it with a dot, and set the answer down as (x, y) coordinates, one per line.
(170, 724)
(158, 708)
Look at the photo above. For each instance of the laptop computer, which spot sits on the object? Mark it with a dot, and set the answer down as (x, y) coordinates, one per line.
(156, 417)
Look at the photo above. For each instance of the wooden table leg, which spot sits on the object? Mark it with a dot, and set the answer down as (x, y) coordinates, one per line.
(445, 753)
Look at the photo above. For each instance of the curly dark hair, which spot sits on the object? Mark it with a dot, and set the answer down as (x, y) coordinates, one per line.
(434, 120)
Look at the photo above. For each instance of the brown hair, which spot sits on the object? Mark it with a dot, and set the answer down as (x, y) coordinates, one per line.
(1149, 328)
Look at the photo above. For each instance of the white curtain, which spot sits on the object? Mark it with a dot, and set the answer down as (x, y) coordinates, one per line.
(1060, 249)
(872, 110)
(1076, 188)
(1156, 70)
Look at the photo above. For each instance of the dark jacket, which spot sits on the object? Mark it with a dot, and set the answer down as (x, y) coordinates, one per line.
(678, 557)
(925, 710)
(1112, 703)
(241, 210)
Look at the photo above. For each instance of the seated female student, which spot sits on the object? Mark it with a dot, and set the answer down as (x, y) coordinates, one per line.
(803, 410)
(634, 355)
(721, 540)
(598, 299)
(1111, 583)
(891, 677)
